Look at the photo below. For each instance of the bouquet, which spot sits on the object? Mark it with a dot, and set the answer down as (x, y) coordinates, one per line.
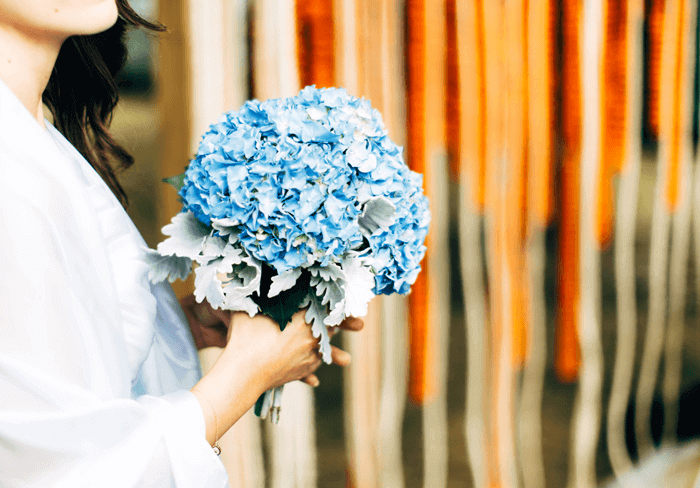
(295, 203)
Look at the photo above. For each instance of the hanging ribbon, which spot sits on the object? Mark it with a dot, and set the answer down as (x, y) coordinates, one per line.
(515, 185)
(541, 41)
(452, 105)
(494, 56)
(420, 380)
(469, 34)
(315, 40)
(614, 114)
(567, 356)
(673, 116)
(655, 23)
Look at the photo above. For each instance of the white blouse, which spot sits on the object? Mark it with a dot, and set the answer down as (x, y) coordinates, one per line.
(95, 362)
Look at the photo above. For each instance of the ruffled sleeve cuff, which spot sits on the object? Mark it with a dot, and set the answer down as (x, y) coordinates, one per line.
(180, 418)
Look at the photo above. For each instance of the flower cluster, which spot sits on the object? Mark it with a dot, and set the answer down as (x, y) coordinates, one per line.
(293, 203)
(293, 177)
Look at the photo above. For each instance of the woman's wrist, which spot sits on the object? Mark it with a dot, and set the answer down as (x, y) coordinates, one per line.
(245, 367)
(258, 361)
(226, 393)
(211, 421)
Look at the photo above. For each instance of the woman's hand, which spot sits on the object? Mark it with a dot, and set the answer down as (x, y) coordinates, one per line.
(209, 326)
(277, 356)
(283, 356)
(338, 356)
(257, 357)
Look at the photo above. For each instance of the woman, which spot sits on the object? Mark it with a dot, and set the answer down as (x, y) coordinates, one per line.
(99, 382)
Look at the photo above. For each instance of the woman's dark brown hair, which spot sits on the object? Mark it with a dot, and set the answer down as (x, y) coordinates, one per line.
(82, 93)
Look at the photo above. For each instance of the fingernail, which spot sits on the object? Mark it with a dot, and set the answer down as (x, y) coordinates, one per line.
(315, 382)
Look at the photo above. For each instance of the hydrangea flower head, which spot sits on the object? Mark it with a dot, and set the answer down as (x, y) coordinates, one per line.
(292, 178)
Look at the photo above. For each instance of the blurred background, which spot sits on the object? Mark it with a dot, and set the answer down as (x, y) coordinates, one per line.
(552, 338)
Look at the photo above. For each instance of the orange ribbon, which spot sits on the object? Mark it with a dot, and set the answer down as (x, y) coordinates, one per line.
(541, 42)
(452, 106)
(515, 180)
(567, 356)
(655, 21)
(420, 383)
(315, 40)
(613, 128)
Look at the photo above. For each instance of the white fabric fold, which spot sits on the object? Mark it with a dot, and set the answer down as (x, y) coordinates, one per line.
(126, 253)
(95, 362)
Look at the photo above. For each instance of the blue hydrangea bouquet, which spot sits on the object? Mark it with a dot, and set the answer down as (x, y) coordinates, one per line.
(295, 203)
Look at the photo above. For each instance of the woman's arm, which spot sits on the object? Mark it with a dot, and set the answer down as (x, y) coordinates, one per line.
(67, 415)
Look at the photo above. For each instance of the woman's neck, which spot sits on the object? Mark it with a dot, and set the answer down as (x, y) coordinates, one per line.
(26, 64)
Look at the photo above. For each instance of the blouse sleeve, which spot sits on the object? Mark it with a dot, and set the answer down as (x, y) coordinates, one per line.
(67, 416)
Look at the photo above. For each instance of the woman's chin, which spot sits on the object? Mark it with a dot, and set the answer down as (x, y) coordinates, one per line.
(97, 18)
(53, 19)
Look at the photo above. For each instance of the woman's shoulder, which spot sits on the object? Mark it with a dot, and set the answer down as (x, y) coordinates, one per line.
(32, 164)
(42, 213)
(24, 182)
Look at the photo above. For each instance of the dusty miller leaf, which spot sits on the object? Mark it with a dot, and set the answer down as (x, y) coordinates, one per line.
(283, 282)
(284, 305)
(187, 236)
(337, 314)
(162, 267)
(238, 301)
(243, 280)
(326, 273)
(213, 247)
(315, 315)
(226, 227)
(230, 258)
(377, 213)
(328, 282)
(208, 285)
(245, 274)
(331, 292)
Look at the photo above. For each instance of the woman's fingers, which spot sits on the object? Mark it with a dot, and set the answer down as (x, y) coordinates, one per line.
(203, 313)
(311, 380)
(352, 323)
(339, 357)
(223, 315)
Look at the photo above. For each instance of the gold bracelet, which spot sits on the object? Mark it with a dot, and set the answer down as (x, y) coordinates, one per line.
(217, 449)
